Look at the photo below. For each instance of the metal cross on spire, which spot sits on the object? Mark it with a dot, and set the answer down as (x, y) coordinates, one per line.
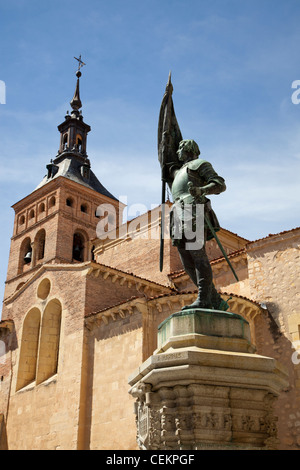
(80, 63)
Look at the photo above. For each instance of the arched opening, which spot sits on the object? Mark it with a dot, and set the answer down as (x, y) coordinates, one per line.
(31, 214)
(49, 342)
(52, 201)
(39, 245)
(65, 141)
(85, 171)
(29, 349)
(84, 208)
(70, 202)
(42, 208)
(78, 247)
(25, 254)
(79, 142)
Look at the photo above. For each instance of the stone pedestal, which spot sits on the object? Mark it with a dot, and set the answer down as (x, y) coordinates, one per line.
(205, 388)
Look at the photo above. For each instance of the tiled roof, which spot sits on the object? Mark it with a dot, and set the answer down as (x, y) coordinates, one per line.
(273, 235)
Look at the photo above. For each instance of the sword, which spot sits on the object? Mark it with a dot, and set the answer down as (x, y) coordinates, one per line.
(208, 223)
(220, 245)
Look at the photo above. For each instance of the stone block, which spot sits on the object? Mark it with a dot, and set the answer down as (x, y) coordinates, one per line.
(211, 329)
(202, 390)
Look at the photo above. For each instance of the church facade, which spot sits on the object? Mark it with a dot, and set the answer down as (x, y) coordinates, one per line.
(81, 312)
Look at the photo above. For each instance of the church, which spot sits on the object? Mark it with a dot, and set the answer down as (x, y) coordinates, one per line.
(81, 311)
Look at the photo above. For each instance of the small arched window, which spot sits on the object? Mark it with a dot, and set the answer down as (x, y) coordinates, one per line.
(22, 220)
(31, 214)
(52, 201)
(69, 202)
(25, 256)
(84, 208)
(42, 208)
(78, 247)
(65, 141)
(79, 142)
(39, 244)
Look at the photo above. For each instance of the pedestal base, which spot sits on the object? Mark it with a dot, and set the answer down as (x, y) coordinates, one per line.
(203, 388)
(209, 329)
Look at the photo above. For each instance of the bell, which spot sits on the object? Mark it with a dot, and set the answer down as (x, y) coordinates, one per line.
(27, 258)
(77, 253)
(77, 249)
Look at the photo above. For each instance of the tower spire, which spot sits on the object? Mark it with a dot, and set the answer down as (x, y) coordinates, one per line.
(73, 130)
(76, 101)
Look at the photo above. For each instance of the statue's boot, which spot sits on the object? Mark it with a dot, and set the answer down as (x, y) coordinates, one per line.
(197, 265)
(204, 296)
(217, 302)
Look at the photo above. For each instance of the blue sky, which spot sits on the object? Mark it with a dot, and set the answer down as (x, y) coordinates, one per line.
(233, 63)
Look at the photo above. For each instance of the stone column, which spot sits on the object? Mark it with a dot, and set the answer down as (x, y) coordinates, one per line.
(205, 388)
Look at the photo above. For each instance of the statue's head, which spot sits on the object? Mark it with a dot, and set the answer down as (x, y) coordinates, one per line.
(188, 150)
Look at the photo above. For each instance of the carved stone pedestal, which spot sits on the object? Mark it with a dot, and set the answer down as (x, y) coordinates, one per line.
(205, 388)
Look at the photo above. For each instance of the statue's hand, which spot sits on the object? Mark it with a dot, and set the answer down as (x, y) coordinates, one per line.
(195, 191)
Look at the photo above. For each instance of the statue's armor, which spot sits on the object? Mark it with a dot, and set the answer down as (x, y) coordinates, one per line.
(200, 173)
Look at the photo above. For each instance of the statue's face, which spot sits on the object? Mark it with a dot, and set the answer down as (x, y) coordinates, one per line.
(184, 153)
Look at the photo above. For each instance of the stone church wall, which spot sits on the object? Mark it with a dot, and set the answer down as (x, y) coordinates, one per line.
(116, 349)
(274, 278)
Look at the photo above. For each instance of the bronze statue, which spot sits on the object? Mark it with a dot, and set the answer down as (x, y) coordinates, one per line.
(190, 180)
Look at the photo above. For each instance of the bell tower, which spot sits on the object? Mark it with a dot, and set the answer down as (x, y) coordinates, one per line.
(57, 222)
(73, 131)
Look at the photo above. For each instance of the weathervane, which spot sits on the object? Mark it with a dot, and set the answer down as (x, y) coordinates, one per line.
(80, 63)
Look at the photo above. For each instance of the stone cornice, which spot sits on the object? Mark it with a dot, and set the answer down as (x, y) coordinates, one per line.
(143, 286)
(247, 308)
(273, 238)
(57, 183)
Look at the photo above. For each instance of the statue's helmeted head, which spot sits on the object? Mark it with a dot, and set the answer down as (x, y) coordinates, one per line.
(188, 150)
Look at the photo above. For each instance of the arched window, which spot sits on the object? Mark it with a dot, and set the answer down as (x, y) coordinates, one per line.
(79, 142)
(84, 208)
(25, 254)
(65, 141)
(39, 245)
(78, 247)
(29, 348)
(69, 202)
(41, 208)
(49, 342)
(52, 201)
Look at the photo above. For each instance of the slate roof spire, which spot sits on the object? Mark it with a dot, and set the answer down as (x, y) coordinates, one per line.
(72, 161)
(76, 101)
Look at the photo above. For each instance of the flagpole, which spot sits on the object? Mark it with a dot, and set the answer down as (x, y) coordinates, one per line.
(162, 226)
